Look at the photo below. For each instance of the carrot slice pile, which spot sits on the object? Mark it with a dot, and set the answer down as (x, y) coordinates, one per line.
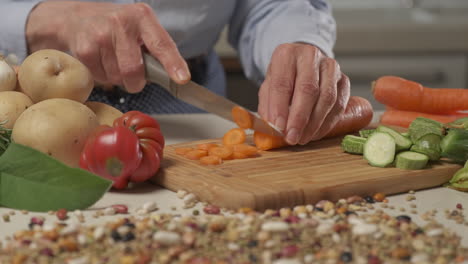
(196, 154)
(241, 117)
(211, 160)
(207, 146)
(234, 136)
(245, 149)
(183, 150)
(223, 152)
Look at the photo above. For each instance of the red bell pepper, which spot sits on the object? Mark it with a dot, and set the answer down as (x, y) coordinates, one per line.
(113, 153)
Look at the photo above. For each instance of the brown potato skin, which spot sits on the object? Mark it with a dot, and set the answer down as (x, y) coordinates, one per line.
(12, 105)
(51, 73)
(105, 113)
(57, 127)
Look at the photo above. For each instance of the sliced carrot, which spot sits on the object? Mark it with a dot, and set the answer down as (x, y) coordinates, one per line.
(239, 155)
(246, 149)
(224, 153)
(196, 154)
(183, 150)
(206, 146)
(234, 136)
(265, 142)
(407, 95)
(242, 117)
(404, 118)
(210, 160)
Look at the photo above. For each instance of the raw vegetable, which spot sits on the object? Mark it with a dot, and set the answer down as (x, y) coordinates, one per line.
(207, 146)
(422, 126)
(234, 136)
(459, 123)
(37, 182)
(404, 118)
(12, 105)
(353, 144)
(5, 137)
(196, 154)
(7, 76)
(105, 113)
(379, 149)
(455, 145)
(248, 150)
(409, 160)
(241, 117)
(113, 153)
(58, 127)
(151, 142)
(407, 95)
(51, 73)
(402, 143)
(211, 160)
(223, 152)
(183, 150)
(357, 115)
(459, 181)
(429, 145)
(365, 133)
(266, 142)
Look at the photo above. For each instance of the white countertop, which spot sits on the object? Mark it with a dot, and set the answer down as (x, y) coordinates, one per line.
(183, 128)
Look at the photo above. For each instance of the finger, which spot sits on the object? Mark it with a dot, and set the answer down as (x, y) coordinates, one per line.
(339, 108)
(129, 60)
(306, 94)
(263, 100)
(110, 66)
(329, 75)
(281, 84)
(161, 45)
(87, 52)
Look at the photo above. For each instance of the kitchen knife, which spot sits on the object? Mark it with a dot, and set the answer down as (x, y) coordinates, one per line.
(201, 97)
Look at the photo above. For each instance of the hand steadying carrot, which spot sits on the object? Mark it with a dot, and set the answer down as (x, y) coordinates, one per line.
(407, 95)
(358, 114)
(404, 118)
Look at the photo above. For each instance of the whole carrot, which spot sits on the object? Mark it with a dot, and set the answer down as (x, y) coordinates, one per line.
(358, 114)
(404, 118)
(407, 95)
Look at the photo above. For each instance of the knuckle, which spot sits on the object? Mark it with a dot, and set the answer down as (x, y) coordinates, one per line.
(309, 88)
(143, 9)
(282, 85)
(283, 49)
(85, 53)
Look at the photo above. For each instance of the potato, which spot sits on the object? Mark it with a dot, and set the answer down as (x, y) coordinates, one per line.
(50, 73)
(105, 113)
(58, 127)
(12, 104)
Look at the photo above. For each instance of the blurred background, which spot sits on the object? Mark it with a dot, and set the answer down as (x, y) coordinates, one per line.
(421, 40)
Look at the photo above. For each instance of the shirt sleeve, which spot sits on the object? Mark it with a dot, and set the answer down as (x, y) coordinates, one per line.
(257, 27)
(13, 18)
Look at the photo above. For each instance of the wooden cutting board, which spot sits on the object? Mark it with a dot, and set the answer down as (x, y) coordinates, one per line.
(291, 176)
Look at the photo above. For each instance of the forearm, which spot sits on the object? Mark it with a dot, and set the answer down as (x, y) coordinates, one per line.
(258, 27)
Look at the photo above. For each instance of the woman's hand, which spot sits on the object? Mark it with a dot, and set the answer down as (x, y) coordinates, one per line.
(304, 92)
(107, 38)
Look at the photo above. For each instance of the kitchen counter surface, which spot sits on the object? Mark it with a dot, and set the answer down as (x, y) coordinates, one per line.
(183, 128)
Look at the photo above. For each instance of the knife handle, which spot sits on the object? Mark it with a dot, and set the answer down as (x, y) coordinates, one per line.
(155, 71)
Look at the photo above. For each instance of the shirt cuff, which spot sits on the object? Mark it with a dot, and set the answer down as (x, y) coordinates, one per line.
(13, 36)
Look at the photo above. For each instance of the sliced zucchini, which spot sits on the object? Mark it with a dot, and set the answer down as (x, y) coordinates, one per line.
(402, 142)
(379, 149)
(353, 144)
(365, 133)
(410, 160)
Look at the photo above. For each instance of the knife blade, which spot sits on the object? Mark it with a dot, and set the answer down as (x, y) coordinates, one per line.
(201, 97)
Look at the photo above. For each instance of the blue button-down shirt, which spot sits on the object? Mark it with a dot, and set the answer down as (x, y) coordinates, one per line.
(256, 28)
